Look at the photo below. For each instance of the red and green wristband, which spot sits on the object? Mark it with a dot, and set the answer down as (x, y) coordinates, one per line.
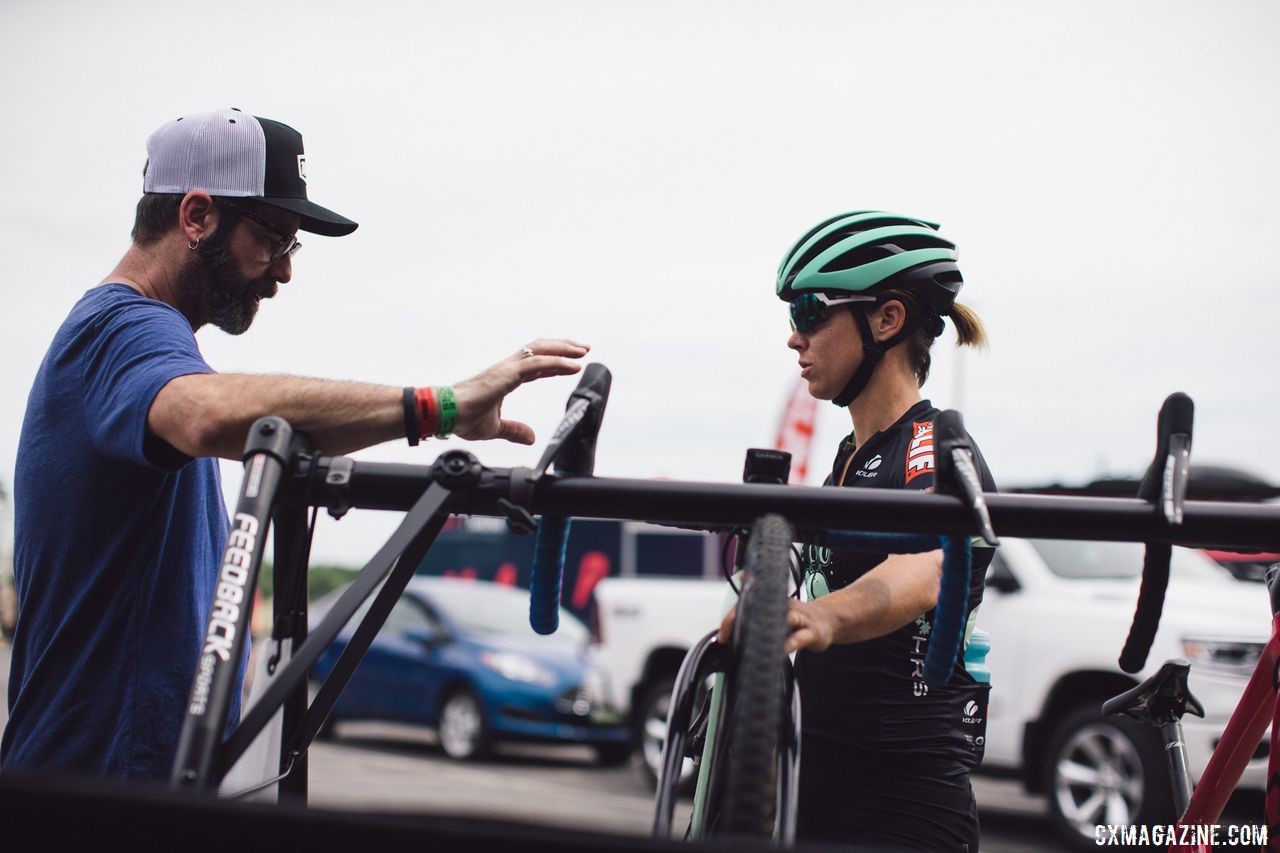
(429, 411)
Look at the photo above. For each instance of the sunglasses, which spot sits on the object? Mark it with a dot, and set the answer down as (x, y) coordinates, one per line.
(287, 244)
(810, 310)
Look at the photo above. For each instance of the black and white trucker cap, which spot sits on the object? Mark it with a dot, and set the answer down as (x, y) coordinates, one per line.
(228, 153)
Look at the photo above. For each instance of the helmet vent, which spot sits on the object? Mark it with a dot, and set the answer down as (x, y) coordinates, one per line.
(836, 236)
(861, 256)
(876, 251)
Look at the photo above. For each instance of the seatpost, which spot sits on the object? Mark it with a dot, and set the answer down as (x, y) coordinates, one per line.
(1162, 700)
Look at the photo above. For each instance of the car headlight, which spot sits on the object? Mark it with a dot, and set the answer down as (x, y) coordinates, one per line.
(518, 668)
(1234, 657)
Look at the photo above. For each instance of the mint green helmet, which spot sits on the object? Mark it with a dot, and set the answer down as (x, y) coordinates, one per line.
(868, 251)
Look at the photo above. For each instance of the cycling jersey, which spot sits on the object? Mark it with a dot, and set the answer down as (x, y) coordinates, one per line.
(871, 696)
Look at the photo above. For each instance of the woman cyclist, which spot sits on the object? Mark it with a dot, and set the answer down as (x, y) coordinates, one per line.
(885, 759)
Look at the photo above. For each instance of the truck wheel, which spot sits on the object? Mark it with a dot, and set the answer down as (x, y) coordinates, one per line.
(1105, 770)
(652, 735)
(754, 707)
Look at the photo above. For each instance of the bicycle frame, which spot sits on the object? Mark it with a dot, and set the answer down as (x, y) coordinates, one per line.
(1255, 711)
(283, 476)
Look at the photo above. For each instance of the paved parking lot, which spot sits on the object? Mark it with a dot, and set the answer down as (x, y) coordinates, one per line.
(388, 767)
(392, 767)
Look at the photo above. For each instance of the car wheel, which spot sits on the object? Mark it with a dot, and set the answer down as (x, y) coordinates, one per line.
(613, 754)
(652, 735)
(1106, 770)
(463, 730)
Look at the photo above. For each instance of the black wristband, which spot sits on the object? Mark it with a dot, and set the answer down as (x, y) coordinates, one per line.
(412, 430)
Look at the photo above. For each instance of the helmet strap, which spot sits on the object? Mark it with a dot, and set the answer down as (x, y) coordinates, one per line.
(872, 354)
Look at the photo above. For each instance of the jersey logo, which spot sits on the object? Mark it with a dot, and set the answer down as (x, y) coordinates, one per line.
(920, 451)
(869, 470)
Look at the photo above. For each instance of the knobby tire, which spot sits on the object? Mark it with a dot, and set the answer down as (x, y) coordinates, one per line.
(759, 669)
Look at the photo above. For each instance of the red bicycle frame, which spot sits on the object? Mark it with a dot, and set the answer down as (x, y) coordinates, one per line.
(1257, 708)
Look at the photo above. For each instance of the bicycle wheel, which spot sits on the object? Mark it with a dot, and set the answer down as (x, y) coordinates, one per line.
(757, 693)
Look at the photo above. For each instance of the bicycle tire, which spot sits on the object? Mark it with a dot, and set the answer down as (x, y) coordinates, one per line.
(756, 702)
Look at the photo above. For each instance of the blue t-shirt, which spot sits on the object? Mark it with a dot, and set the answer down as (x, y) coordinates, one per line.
(117, 540)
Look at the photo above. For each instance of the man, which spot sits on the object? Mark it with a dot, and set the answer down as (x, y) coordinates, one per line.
(119, 518)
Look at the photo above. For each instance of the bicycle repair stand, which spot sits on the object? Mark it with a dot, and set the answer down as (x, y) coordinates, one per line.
(279, 485)
(282, 478)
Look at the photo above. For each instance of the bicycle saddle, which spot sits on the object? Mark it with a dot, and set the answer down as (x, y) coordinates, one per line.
(1161, 698)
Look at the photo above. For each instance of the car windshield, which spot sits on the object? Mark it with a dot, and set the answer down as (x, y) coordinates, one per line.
(498, 611)
(1070, 559)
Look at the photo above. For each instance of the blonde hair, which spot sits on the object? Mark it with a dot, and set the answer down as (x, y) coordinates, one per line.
(969, 329)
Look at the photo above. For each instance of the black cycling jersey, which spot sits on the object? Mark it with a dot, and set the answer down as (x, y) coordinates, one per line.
(872, 695)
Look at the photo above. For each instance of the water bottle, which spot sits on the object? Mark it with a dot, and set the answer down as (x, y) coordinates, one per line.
(975, 656)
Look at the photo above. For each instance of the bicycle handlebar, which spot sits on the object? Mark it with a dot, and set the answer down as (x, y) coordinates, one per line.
(957, 474)
(1164, 486)
(573, 449)
(947, 634)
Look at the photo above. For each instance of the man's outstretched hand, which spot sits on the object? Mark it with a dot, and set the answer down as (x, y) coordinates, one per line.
(479, 398)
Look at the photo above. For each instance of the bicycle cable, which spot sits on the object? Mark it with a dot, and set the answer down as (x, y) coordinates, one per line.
(726, 568)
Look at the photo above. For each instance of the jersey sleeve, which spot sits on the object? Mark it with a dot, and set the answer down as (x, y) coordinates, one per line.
(132, 352)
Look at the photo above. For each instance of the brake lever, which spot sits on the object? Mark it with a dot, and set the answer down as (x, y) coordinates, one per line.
(958, 472)
(1165, 483)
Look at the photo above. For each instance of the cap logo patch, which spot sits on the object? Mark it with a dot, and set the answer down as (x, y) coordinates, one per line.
(302, 167)
(920, 451)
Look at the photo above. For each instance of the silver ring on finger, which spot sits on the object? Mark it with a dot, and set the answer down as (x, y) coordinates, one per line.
(526, 352)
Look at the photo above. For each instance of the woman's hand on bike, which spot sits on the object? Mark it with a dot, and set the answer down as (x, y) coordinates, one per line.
(479, 398)
(811, 627)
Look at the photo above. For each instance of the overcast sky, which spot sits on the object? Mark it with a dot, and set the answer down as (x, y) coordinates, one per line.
(630, 174)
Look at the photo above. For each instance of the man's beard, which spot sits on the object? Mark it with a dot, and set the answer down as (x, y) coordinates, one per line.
(218, 291)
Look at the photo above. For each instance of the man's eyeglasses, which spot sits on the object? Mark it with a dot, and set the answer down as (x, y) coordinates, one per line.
(287, 244)
(810, 310)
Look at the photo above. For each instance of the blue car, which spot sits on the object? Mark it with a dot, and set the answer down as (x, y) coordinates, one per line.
(459, 656)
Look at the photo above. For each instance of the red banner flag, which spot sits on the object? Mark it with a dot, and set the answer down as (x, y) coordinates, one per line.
(795, 431)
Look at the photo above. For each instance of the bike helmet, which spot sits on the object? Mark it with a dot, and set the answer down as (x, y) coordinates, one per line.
(868, 252)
